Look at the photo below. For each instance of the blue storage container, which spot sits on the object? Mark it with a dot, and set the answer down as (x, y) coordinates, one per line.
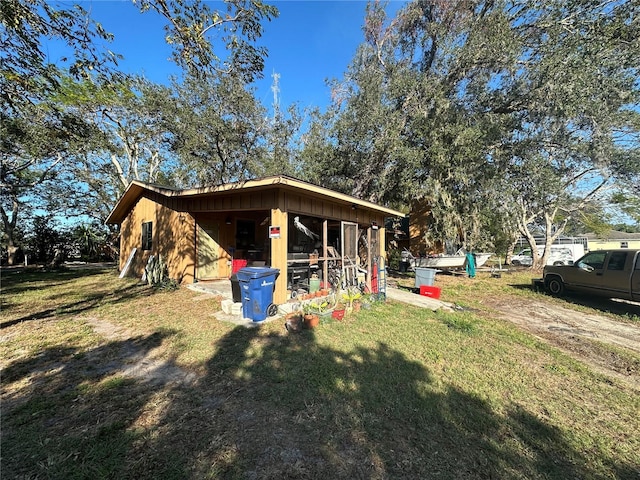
(256, 288)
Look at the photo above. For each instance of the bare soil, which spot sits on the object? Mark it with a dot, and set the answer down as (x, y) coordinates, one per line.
(582, 335)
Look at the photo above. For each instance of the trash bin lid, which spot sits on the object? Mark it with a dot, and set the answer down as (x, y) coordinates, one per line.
(248, 273)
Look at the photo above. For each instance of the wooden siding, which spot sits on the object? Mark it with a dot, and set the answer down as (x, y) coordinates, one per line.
(237, 201)
(173, 237)
(175, 221)
(419, 222)
(322, 208)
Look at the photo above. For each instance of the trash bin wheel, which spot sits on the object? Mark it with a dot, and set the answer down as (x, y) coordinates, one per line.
(294, 294)
(272, 310)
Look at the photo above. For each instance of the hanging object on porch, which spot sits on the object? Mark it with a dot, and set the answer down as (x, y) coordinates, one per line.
(305, 230)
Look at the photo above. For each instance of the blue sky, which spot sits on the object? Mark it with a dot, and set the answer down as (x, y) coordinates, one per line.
(309, 42)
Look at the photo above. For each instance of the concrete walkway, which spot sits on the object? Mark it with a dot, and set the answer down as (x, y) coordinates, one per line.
(416, 300)
(216, 287)
(223, 288)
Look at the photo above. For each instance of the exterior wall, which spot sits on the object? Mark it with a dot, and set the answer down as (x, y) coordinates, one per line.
(419, 226)
(175, 229)
(173, 238)
(612, 244)
(227, 237)
(419, 221)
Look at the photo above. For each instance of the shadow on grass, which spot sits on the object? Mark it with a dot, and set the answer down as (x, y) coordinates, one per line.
(267, 407)
(16, 281)
(73, 417)
(603, 304)
(32, 281)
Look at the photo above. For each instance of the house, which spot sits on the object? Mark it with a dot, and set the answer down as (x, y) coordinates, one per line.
(208, 233)
(612, 239)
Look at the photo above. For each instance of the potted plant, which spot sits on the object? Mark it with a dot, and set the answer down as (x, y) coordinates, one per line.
(339, 312)
(366, 301)
(350, 296)
(311, 314)
(294, 320)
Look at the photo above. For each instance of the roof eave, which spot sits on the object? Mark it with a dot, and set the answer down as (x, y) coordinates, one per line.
(136, 188)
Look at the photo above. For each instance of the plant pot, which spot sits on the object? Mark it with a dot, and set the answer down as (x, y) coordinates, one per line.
(356, 306)
(293, 322)
(338, 314)
(311, 321)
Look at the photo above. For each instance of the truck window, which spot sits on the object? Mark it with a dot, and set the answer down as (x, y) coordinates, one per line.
(594, 260)
(617, 261)
(638, 262)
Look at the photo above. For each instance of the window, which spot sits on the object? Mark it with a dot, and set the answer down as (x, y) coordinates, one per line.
(147, 235)
(245, 234)
(594, 260)
(617, 261)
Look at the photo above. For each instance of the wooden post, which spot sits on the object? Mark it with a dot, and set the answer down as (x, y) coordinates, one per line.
(370, 256)
(280, 219)
(325, 252)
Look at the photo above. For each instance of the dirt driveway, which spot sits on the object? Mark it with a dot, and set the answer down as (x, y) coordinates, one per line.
(582, 335)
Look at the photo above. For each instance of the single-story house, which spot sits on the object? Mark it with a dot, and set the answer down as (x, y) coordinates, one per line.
(207, 233)
(612, 239)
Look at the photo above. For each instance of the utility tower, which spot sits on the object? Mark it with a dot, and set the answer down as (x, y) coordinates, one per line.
(276, 95)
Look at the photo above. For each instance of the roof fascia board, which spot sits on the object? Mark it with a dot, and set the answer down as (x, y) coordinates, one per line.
(136, 188)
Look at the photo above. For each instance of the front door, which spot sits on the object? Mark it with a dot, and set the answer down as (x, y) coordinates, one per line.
(208, 251)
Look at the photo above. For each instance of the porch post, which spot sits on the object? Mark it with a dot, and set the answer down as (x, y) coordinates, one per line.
(279, 218)
(370, 256)
(325, 253)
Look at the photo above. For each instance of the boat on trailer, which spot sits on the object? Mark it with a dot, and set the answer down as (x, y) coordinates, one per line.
(444, 261)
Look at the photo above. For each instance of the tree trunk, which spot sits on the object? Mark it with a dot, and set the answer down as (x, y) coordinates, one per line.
(12, 250)
(9, 225)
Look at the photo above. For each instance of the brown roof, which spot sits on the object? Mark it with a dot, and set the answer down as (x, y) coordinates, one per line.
(137, 188)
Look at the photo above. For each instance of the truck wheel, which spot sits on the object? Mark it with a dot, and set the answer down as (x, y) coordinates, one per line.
(558, 263)
(515, 263)
(555, 286)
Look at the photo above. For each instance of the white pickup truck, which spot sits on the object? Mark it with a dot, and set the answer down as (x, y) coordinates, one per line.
(606, 273)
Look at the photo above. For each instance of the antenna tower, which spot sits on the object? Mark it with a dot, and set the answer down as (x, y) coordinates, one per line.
(276, 91)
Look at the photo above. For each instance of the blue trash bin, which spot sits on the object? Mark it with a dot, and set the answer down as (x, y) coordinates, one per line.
(256, 289)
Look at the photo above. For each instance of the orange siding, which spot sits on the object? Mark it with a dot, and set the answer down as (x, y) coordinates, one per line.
(174, 230)
(419, 222)
(173, 239)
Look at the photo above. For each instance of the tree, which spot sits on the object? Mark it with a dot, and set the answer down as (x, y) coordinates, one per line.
(526, 109)
(581, 95)
(193, 28)
(405, 118)
(36, 135)
(217, 130)
(29, 82)
(130, 142)
(33, 148)
(26, 75)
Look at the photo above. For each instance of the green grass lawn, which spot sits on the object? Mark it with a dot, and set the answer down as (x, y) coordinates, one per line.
(393, 392)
